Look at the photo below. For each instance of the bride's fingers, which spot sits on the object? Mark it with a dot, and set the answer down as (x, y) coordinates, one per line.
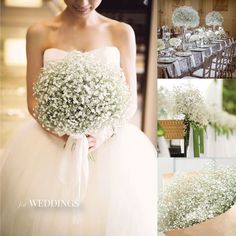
(92, 149)
(91, 139)
(92, 144)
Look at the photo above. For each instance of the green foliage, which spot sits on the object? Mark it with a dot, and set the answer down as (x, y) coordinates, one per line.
(229, 96)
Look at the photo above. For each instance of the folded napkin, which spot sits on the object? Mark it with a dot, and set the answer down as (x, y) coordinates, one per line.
(203, 55)
(177, 68)
(193, 63)
(211, 50)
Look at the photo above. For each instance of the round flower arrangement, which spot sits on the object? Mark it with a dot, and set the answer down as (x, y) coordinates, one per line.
(160, 44)
(185, 17)
(214, 18)
(220, 33)
(175, 42)
(194, 38)
(78, 95)
(211, 35)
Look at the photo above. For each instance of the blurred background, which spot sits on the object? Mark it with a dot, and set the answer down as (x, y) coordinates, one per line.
(18, 15)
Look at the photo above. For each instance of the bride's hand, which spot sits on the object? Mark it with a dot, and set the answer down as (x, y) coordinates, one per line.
(92, 142)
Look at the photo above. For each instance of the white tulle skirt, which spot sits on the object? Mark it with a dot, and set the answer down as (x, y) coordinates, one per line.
(122, 188)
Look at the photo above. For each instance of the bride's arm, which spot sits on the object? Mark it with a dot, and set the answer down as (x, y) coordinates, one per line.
(36, 39)
(125, 40)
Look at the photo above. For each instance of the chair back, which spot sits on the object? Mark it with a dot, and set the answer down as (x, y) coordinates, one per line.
(207, 66)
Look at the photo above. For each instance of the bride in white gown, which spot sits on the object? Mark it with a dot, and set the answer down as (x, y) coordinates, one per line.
(121, 198)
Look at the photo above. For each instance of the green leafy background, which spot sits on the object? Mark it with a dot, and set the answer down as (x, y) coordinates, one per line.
(229, 96)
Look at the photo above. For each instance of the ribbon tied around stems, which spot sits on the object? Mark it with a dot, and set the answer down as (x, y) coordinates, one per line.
(74, 166)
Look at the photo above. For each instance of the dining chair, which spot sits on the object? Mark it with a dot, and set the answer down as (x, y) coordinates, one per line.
(234, 57)
(206, 70)
(227, 61)
(217, 65)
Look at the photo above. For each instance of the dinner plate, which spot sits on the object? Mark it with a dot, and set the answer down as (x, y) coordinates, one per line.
(205, 46)
(166, 60)
(183, 54)
(198, 49)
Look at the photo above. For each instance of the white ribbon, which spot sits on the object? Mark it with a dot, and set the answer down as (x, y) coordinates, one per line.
(74, 166)
(221, 47)
(211, 50)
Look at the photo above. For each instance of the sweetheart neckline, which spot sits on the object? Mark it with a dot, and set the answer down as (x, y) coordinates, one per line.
(73, 50)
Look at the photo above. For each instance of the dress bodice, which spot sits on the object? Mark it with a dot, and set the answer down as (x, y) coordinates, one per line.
(109, 55)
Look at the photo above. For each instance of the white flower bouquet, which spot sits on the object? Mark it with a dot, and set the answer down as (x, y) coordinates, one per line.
(214, 18)
(185, 17)
(194, 38)
(160, 45)
(220, 33)
(190, 103)
(78, 95)
(189, 199)
(211, 35)
(175, 42)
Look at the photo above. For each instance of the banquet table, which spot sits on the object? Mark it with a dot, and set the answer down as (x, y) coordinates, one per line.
(184, 65)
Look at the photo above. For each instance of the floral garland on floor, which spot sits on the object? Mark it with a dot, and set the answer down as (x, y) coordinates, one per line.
(191, 199)
(185, 17)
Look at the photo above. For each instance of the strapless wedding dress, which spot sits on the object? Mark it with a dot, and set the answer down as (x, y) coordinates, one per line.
(121, 198)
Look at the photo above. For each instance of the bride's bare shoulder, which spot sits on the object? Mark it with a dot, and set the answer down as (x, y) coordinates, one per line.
(40, 31)
(117, 27)
(121, 32)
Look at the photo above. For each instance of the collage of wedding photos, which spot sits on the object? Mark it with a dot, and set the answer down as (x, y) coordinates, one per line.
(118, 118)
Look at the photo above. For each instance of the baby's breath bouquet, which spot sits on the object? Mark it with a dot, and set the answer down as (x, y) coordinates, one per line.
(191, 199)
(194, 38)
(214, 19)
(77, 95)
(185, 17)
(189, 102)
(175, 42)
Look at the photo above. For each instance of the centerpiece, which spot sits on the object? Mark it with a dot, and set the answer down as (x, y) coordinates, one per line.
(214, 19)
(185, 17)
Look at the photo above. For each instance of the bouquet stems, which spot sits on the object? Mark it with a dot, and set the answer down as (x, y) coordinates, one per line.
(201, 140)
(198, 141)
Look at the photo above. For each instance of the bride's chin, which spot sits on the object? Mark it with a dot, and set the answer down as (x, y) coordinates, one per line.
(81, 13)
